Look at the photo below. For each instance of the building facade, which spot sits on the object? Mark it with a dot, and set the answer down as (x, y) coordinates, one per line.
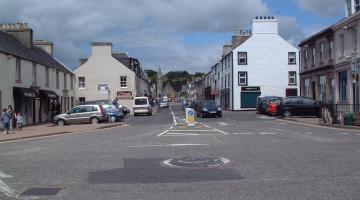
(31, 79)
(109, 75)
(258, 62)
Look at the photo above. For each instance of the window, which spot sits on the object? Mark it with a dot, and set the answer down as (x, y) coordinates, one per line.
(123, 81)
(331, 49)
(229, 80)
(57, 80)
(243, 78)
(342, 45)
(357, 5)
(18, 70)
(71, 82)
(33, 73)
(292, 78)
(343, 86)
(292, 58)
(242, 58)
(322, 93)
(81, 99)
(354, 38)
(65, 82)
(81, 82)
(321, 52)
(47, 76)
(313, 56)
(307, 87)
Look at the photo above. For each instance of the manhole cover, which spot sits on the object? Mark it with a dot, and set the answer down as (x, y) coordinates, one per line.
(196, 162)
(41, 192)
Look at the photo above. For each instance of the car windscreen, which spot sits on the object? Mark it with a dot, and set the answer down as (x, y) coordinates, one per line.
(140, 101)
(210, 104)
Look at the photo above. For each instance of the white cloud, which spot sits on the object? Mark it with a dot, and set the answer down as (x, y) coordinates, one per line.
(152, 31)
(290, 30)
(323, 7)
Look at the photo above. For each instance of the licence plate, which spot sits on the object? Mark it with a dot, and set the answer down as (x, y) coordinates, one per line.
(212, 111)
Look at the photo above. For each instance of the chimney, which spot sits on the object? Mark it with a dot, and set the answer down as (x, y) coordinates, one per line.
(101, 49)
(45, 45)
(239, 37)
(226, 49)
(20, 31)
(83, 60)
(265, 25)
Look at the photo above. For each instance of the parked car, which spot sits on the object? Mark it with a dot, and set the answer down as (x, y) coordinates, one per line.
(267, 100)
(121, 108)
(272, 107)
(142, 106)
(298, 106)
(81, 114)
(164, 104)
(259, 103)
(112, 113)
(208, 108)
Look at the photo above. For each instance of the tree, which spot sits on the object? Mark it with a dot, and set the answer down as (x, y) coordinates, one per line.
(199, 74)
(152, 75)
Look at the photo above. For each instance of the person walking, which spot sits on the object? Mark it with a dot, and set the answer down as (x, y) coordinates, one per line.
(12, 117)
(5, 119)
(19, 121)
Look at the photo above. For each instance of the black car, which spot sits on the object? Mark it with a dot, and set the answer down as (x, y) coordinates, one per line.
(208, 108)
(298, 106)
(264, 102)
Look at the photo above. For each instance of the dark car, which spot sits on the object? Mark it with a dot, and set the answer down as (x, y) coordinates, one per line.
(208, 108)
(298, 106)
(109, 102)
(113, 114)
(265, 103)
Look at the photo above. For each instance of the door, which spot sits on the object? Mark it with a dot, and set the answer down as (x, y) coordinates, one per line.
(248, 99)
(74, 115)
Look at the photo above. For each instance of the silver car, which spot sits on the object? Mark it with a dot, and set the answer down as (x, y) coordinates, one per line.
(81, 114)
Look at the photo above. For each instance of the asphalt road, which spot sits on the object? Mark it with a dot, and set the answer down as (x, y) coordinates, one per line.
(264, 159)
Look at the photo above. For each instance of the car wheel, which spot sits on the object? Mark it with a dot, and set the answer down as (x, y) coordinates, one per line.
(113, 119)
(135, 115)
(287, 113)
(60, 122)
(94, 120)
(220, 116)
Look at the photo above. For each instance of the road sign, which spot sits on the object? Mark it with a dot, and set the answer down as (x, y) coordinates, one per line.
(190, 118)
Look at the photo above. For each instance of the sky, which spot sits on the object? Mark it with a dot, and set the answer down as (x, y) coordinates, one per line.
(171, 34)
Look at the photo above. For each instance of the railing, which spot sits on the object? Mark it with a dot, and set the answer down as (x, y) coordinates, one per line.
(336, 112)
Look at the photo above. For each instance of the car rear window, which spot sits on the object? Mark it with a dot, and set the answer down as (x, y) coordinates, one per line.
(140, 101)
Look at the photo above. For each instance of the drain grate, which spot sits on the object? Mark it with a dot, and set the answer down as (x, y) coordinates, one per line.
(196, 162)
(41, 192)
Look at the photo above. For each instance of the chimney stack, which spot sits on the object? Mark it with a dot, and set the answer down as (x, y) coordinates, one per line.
(239, 37)
(20, 31)
(45, 45)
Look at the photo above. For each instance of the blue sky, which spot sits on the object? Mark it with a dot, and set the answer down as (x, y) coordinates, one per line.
(172, 34)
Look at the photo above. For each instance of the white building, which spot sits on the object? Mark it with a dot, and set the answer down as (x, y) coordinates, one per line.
(259, 62)
(109, 75)
(31, 79)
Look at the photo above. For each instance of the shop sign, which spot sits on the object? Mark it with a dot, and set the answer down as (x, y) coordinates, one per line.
(250, 89)
(29, 94)
(124, 95)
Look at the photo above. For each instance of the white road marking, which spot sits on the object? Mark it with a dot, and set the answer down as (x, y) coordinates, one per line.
(162, 133)
(276, 129)
(308, 133)
(243, 133)
(174, 117)
(344, 133)
(223, 124)
(195, 130)
(3, 175)
(171, 128)
(205, 125)
(167, 145)
(264, 133)
(181, 134)
(9, 191)
(223, 132)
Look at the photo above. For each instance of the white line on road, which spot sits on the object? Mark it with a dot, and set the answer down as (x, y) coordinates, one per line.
(195, 130)
(9, 191)
(162, 133)
(223, 124)
(167, 145)
(174, 117)
(223, 132)
(344, 133)
(308, 133)
(264, 133)
(243, 133)
(182, 134)
(276, 129)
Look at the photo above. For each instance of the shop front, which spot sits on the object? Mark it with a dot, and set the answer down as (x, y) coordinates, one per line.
(249, 97)
(49, 100)
(27, 101)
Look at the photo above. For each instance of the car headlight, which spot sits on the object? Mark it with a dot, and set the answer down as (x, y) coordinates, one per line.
(205, 109)
(219, 109)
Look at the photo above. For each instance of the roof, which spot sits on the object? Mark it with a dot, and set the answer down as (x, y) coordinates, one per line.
(10, 45)
(123, 58)
(325, 31)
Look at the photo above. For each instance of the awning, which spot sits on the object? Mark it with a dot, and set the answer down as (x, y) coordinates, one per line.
(48, 94)
(24, 93)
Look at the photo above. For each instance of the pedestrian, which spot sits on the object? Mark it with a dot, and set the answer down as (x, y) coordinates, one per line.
(12, 117)
(5, 119)
(19, 121)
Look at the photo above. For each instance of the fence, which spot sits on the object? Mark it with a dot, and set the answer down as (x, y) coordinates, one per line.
(337, 112)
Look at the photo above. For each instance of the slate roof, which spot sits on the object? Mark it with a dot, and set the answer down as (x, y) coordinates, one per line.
(123, 58)
(10, 45)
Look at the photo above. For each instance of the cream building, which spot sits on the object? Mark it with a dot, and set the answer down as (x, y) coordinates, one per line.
(109, 75)
(31, 79)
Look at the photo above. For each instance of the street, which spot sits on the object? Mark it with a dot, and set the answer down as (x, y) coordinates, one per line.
(242, 155)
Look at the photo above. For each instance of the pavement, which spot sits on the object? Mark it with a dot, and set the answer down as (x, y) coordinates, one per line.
(242, 155)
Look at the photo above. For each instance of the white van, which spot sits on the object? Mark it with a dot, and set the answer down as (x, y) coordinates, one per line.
(142, 106)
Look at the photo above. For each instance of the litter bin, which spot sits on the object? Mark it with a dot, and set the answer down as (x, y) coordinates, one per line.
(348, 118)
